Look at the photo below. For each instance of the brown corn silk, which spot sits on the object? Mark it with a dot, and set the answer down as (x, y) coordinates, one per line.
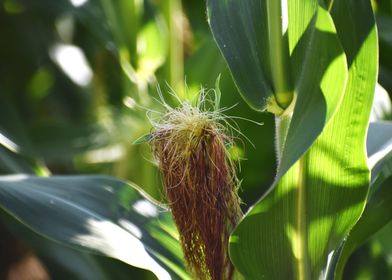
(201, 187)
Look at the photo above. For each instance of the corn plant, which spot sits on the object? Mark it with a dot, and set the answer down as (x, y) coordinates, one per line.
(312, 65)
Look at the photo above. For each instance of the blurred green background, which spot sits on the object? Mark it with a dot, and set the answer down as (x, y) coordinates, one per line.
(78, 76)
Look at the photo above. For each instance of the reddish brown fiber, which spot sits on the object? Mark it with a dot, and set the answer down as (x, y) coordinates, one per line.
(201, 187)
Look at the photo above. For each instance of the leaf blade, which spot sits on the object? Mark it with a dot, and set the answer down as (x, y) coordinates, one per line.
(94, 213)
(315, 204)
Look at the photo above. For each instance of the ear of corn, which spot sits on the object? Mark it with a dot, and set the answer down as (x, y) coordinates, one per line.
(190, 146)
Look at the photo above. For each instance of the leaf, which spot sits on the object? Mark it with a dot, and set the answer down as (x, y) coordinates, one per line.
(97, 214)
(290, 233)
(378, 211)
(14, 163)
(241, 32)
(321, 76)
(317, 67)
(64, 262)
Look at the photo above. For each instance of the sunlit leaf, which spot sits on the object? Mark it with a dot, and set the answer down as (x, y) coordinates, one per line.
(378, 211)
(291, 232)
(316, 59)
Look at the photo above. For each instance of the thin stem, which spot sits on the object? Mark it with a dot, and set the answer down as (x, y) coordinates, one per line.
(330, 5)
(303, 272)
(130, 12)
(175, 65)
(279, 54)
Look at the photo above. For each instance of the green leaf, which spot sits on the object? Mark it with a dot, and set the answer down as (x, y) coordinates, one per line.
(14, 163)
(241, 31)
(320, 68)
(64, 262)
(97, 214)
(290, 233)
(378, 211)
(317, 66)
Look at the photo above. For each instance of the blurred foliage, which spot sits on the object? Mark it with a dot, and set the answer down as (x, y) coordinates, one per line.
(90, 128)
(77, 79)
(78, 76)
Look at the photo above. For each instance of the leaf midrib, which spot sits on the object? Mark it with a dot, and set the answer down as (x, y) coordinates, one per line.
(302, 264)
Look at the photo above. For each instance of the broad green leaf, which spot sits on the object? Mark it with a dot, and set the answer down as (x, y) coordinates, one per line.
(291, 232)
(320, 69)
(63, 262)
(317, 65)
(378, 211)
(98, 214)
(241, 31)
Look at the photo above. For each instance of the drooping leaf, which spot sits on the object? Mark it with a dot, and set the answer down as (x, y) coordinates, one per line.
(290, 233)
(98, 214)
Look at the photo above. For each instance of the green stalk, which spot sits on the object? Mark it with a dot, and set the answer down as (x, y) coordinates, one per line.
(279, 54)
(130, 12)
(302, 269)
(175, 65)
(299, 237)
